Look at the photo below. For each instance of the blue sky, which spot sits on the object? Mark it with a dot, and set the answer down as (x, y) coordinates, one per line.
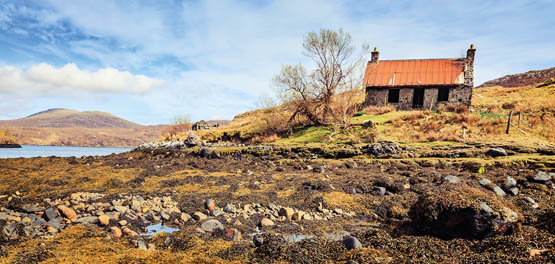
(148, 61)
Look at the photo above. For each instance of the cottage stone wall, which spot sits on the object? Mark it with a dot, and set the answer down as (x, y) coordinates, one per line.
(405, 99)
(430, 97)
(462, 95)
(376, 97)
(458, 95)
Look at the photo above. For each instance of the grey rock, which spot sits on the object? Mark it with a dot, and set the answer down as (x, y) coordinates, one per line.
(484, 181)
(496, 152)
(209, 153)
(10, 229)
(199, 216)
(121, 209)
(216, 212)
(351, 165)
(499, 191)
(258, 240)
(185, 217)
(212, 225)
(510, 182)
(379, 190)
(230, 208)
(3, 216)
(32, 208)
(452, 179)
(542, 177)
(532, 203)
(513, 191)
(485, 208)
(51, 213)
(320, 169)
(141, 245)
(192, 140)
(55, 223)
(38, 222)
(90, 220)
(351, 243)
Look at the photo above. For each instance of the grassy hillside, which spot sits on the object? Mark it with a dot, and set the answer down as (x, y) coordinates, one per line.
(485, 121)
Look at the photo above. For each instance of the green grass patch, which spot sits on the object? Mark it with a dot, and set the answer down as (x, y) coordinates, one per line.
(489, 115)
(360, 113)
(307, 135)
(380, 119)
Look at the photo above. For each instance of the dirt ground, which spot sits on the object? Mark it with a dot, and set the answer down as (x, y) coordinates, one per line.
(420, 217)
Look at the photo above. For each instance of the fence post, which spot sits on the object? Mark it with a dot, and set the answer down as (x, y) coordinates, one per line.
(509, 121)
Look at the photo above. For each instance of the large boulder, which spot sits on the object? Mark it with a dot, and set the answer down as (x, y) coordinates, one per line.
(461, 211)
(192, 140)
(496, 152)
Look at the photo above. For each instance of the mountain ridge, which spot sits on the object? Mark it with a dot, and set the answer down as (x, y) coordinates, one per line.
(67, 127)
(522, 79)
(66, 118)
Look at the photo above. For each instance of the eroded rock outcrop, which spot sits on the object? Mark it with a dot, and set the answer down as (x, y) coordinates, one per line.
(461, 211)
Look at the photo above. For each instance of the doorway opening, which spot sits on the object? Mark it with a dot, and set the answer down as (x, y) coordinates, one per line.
(418, 98)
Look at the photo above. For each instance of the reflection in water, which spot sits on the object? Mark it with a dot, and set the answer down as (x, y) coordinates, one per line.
(152, 230)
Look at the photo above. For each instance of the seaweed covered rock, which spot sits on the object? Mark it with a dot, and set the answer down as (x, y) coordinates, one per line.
(461, 211)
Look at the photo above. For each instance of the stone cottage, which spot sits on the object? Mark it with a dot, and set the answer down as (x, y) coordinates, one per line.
(419, 84)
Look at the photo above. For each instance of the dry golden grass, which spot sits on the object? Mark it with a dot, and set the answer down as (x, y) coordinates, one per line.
(256, 126)
(6, 137)
(535, 103)
(378, 110)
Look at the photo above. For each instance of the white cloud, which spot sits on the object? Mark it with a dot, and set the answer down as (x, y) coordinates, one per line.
(46, 79)
(228, 51)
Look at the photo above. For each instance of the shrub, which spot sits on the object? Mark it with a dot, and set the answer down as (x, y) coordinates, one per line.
(359, 113)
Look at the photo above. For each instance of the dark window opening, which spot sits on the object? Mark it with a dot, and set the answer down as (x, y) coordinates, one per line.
(393, 96)
(443, 94)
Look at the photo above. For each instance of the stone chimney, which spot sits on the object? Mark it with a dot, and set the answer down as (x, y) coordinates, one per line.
(469, 69)
(470, 54)
(375, 56)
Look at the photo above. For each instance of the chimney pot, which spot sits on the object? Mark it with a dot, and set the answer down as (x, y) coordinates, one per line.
(375, 55)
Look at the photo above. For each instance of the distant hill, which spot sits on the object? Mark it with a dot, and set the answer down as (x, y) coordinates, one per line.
(58, 117)
(68, 127)
(522, 79)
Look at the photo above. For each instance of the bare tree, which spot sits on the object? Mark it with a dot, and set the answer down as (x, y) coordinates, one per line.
(337, 70)
(179, 124)
(181, 120)
(265, 101)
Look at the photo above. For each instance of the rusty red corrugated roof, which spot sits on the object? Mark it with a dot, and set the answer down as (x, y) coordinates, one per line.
(391, 73)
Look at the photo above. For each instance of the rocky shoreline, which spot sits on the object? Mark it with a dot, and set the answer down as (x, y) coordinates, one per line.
(226, 202)
(10, 146)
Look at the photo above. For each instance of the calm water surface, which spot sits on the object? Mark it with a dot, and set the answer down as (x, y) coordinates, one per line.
(29, 151)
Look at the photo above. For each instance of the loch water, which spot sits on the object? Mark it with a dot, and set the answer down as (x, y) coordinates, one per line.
(30, 151)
